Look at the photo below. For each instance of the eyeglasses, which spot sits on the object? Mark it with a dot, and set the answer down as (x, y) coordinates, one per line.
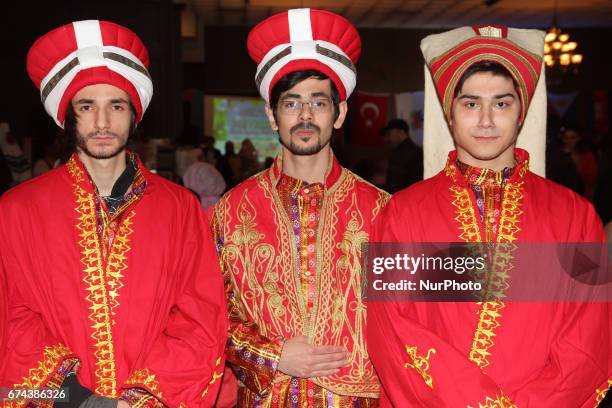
(294, 106)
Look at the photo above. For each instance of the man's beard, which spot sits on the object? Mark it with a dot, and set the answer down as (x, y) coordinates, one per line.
(304, 151)
(81, 142)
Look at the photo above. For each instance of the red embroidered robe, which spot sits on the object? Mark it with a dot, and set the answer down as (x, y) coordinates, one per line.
(489, 354)
(150, 313)
(261, 264)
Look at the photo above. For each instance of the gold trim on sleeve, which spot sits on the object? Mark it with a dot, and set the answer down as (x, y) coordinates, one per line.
(52, 357)
(145, 377)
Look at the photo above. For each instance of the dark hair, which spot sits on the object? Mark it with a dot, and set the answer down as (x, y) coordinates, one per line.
(290, 80)
(493, 67)
(70, 123)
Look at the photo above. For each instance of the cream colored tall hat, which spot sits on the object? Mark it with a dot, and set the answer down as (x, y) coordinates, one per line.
(448, 55)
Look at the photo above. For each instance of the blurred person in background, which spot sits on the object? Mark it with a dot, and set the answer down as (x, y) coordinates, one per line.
(249, 163)
(406, 159)
(203, 178)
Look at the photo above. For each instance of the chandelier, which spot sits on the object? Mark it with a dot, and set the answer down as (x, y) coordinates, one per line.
(558, 49)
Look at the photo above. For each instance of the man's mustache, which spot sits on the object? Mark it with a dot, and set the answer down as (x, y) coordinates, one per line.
(305, 126)
(99, 133)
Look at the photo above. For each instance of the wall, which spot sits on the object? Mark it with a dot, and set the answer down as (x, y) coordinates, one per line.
(390, 61)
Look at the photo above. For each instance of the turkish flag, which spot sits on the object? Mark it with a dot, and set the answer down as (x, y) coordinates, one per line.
(368, 115)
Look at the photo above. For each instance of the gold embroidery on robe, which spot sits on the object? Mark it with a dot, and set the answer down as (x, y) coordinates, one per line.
(102, 284)
(420, 363)
(496, 281)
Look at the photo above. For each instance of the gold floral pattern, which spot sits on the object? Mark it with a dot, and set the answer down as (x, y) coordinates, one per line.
(103, 280)
(465, 214)
(144, 377)
(44, 375)
(496, 281)
(485, 332)
(420, 363)
(216, 375)
(501, 401)
(52, 357)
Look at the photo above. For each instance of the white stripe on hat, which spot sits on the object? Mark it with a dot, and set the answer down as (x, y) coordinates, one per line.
(89, 43)
(88, 33)
(300, 28)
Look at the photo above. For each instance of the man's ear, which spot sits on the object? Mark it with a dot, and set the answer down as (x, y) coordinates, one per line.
(271, 119)
(342, 108)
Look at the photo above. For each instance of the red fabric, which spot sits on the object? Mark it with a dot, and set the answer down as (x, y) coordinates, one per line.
(122, 37)
(544, 354)
(228, 394)
(48, 50)
(161, 292)
(368, 115)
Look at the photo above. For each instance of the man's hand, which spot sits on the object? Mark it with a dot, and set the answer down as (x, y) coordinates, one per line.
(122, 404)
(300, 359)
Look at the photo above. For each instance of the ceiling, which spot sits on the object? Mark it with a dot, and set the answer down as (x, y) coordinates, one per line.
(415, 13)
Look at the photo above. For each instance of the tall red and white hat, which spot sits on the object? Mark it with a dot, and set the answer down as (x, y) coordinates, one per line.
(84, 53)
(305, 39)
(448, 55)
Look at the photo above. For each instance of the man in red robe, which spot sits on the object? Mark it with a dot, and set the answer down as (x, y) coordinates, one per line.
(290, 237)
(491, 353)
(110, 282)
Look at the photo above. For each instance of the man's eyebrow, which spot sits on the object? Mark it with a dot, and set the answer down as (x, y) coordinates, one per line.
(291, 95)
(319, 94)
(470, 97)
(506, 95)
(298, 96)
(91, 101)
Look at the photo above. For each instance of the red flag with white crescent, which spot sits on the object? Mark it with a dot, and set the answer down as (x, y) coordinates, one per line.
(368, 115)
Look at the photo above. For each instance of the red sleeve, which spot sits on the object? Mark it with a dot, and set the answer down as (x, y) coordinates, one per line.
(578, 361)
(185, 364)
(29, 355)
